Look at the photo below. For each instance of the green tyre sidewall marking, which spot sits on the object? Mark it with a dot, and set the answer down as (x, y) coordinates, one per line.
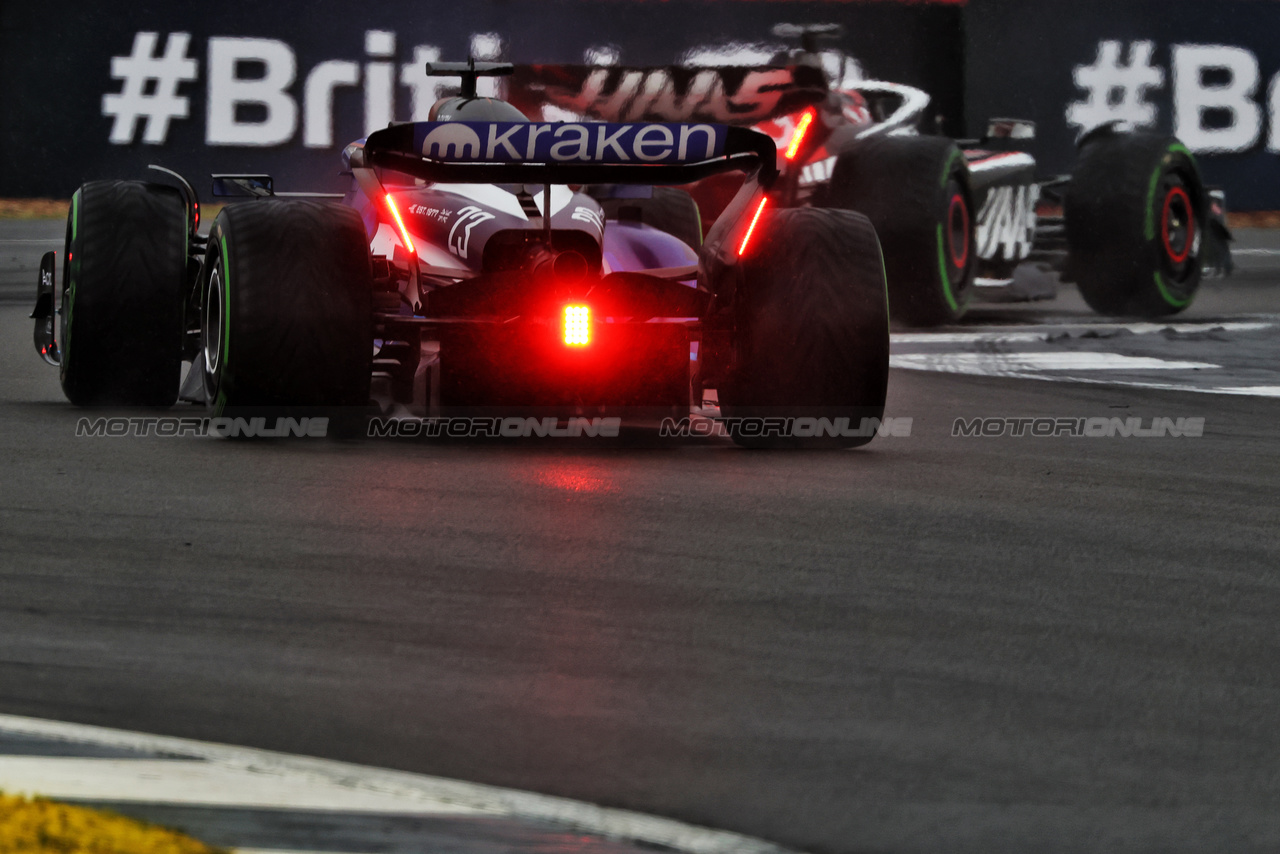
(1175, 148)
(943, 275)
(946, 170)
(1150, 231)
(1169, 297)
(1179, 148)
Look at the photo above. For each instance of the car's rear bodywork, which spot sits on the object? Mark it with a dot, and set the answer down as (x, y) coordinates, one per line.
(485, 250)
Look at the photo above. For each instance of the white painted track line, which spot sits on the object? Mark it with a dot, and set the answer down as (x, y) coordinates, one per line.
(1044, 333)
(1249, 391)
(1034, 352)
(303, 777)
(1256, 391)
(1000, 364)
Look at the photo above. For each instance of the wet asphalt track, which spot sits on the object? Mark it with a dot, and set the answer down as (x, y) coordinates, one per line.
(932, 644)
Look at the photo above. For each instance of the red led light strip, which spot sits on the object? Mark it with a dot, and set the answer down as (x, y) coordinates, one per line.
(797, 138)
(751, 228)
(404, 232)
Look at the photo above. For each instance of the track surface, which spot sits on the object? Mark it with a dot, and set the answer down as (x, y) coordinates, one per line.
(934, 644)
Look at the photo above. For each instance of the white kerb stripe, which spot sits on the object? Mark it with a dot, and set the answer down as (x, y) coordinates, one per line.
(198, 783)
(420, 789)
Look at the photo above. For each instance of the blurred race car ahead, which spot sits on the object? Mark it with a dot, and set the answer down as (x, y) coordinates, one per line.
(481, 262)
(1134, 227)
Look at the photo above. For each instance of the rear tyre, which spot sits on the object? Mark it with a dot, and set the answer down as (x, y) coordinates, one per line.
(811, 336)
(916, 192)
(670, 209)
(286, 312)
(124, 277)
(1136, 214)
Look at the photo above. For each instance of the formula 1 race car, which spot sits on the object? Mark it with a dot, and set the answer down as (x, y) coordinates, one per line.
(1134, 227)
(481, 262)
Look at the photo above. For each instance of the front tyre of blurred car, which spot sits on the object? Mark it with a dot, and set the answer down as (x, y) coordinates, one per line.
(1136, 217)
(124, 274)
(811, 331)
(916, 192)
(286, 316)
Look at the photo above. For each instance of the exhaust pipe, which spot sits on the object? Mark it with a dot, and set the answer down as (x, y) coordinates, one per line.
(568, 268)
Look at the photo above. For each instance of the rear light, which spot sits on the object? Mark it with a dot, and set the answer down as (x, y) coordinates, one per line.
(751, 228)
(404, 232)
(577, 325)
(797, 138)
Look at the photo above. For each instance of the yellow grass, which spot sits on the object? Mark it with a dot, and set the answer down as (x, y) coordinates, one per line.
(39, 826)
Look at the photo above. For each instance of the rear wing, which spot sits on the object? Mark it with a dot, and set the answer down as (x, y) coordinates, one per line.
(566, 152)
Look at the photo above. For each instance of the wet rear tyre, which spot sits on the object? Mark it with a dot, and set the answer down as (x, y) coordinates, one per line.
(916, 192)
(670, 209)
(811, 338)
(286, 313)
(124, 278)
(1136, 214)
